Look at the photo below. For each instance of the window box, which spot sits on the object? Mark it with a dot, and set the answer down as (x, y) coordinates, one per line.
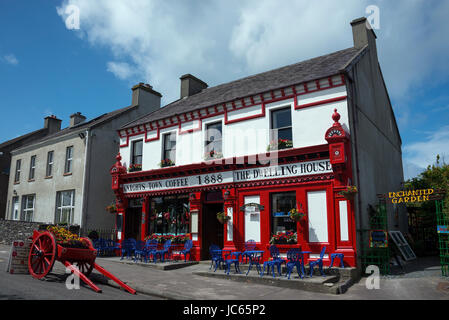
(280, 144)
(166, 163)
(135, 167)
(213, 155)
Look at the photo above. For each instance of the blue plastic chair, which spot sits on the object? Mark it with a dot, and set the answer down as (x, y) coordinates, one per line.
(233, 259)
(250, 245)
(163, 252)
(318, 262)
(112, 246)
(150, 249)
(216, 257)
(341, 256)
(276, 261)
(295, 259)
(255, 258)
(128, 247)
(139, 252)
(186, 251)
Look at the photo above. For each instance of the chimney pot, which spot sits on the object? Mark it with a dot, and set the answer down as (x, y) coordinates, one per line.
(76, 118)
(191, 85)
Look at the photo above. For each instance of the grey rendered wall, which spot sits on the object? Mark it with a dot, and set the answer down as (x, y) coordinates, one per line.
(376, 143)
(104, 148)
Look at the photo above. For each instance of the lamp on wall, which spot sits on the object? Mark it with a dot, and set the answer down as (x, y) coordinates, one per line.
(82, 135)
(14, 192)
(226, 195)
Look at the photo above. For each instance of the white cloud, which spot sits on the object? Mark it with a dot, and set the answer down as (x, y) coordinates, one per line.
(121, 70)
(10, 59)
(418, 155)
(219, 41)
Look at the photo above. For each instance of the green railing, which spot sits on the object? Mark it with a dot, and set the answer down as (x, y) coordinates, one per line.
(376, 256)
(443, 238)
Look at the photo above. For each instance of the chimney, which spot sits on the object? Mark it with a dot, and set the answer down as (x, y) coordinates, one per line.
(145, 96)
(363, 35)
(76, 118)
(52, 123)
(191, 85)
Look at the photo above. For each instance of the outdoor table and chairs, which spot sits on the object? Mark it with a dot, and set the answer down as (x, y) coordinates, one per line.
(165, 251)
(295, 258)
(318, 262)
(232, 258)
(250, 245)
(128, 248)
(216, 255)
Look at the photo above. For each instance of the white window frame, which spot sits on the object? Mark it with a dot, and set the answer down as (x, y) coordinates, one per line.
(32, 172)
(26, 216)
(15, 215)
(68, 160)
(49, 167)
(60, 207)
(18, 170)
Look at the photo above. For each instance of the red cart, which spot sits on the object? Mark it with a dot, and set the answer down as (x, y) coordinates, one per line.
(81, 261)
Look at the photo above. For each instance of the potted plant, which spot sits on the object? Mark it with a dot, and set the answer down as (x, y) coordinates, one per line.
(213, 155)
(134, 167)
(349, 193)
(166, 163)
(222, 217)
(280, 144)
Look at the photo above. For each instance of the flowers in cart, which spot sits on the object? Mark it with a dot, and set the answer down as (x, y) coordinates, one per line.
(67, 239)
(288, 237)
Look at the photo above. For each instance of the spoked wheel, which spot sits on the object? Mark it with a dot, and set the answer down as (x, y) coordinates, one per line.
(42, 255)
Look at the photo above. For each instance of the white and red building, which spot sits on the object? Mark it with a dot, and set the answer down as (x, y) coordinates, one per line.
(334, 113)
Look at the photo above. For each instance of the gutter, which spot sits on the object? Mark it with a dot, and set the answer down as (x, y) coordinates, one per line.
(85, 178)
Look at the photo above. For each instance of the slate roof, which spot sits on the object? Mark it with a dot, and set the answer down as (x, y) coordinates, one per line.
(25, 136)
(82, 126)
(304, 71)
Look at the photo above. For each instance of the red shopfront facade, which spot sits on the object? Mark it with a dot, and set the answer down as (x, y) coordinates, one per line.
(256, 196)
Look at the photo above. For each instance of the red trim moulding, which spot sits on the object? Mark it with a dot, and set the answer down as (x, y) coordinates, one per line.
(196, 115)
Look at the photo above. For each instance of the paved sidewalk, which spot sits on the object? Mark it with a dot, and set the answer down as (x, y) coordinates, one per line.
(183, 284)
(422, 281)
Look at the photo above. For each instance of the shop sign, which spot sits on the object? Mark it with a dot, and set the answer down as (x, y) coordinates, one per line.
(274, 172)
(251, 207)
(378, 239)
(442, 229)
(410, 196)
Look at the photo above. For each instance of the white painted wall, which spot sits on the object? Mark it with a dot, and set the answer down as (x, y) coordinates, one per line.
(249, 136)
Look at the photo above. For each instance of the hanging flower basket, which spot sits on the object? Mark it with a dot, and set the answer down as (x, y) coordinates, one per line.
(296, 215)
(112, 208)
(349, 193)
(222, 217)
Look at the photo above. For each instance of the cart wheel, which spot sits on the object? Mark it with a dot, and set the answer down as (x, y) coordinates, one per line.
(85, 267)
(42, 255)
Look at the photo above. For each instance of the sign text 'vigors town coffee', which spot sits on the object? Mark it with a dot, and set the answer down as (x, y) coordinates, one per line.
(282, 171)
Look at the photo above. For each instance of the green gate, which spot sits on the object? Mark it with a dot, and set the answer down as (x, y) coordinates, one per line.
(376, 255)
(443, 237)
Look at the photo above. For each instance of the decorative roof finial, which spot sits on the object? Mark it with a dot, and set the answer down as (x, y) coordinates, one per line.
(336, 116)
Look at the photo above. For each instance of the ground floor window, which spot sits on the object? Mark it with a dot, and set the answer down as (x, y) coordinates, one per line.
(28, 202)
(65, 206)
(281, 204)
(15, 208)
(169, 215)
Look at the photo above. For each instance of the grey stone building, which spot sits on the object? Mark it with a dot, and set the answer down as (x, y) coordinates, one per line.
(64, 176)
(51, 125)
